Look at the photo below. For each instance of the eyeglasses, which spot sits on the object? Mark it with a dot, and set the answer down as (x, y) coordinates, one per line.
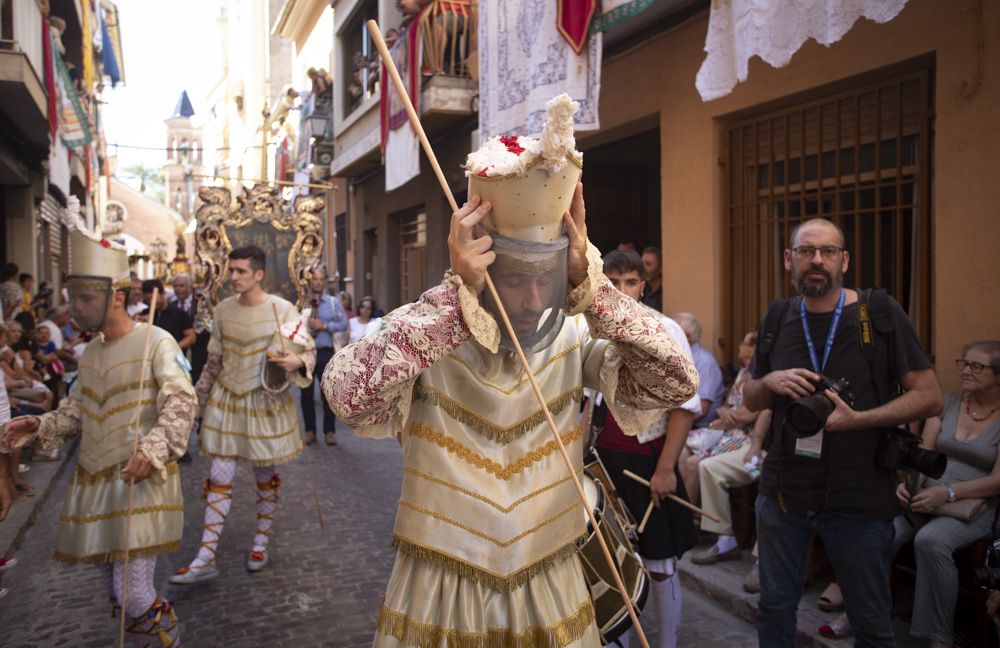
(974, 367)
(808, 251)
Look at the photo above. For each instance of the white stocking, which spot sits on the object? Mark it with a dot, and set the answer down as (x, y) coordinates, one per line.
(667, 600)
(147, 615)
(219, 496)
(267, 500)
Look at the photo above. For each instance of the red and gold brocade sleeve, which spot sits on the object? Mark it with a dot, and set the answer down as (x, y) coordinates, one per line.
(368, 384)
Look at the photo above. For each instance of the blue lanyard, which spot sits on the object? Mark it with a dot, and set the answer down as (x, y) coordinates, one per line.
(829, 336)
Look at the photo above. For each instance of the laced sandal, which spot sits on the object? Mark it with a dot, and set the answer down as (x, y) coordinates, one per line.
(190, 575)
(267, 491)
(160, 622)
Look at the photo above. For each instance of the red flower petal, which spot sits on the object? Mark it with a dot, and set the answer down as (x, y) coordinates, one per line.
(510, 141)
(106, 243)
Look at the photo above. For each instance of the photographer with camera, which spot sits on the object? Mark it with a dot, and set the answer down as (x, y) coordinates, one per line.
(829, 364)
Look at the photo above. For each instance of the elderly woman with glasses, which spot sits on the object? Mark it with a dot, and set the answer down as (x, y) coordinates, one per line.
(968, 432)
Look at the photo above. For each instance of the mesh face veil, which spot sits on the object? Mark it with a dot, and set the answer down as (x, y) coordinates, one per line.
(89, 300)
(531, 280)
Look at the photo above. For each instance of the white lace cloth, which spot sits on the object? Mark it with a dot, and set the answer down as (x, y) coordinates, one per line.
(524, 61)
(774, 30)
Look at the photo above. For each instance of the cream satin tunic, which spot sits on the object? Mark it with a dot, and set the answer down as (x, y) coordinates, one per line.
(241, 420)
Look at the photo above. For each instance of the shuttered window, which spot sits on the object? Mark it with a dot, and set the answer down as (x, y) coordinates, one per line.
(859, 158)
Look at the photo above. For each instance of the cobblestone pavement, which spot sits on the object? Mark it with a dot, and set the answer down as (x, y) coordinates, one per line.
(322, 587)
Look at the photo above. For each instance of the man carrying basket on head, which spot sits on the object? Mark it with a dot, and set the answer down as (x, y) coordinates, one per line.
(489, 520)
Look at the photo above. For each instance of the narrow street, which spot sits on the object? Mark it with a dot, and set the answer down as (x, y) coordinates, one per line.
(322, 588)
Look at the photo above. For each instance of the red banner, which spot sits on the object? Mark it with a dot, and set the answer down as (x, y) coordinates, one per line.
(574, 21)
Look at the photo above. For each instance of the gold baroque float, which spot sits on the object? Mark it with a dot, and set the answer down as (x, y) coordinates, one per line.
(263, 217)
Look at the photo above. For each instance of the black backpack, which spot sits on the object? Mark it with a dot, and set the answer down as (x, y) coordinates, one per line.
(876, 329)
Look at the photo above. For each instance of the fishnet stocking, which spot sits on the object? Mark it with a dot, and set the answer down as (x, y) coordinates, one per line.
(267, 500)
(218, 494)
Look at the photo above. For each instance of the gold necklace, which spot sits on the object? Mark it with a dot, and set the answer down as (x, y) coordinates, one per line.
(975, 417)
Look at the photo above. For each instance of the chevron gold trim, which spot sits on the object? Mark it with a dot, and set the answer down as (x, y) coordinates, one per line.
(507, 391)
(110, 473)
(496, 433)
(484, 499)
(503, 544)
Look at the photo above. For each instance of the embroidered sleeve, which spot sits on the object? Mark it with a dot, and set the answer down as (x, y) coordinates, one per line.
(168, 439)
(60, 425)
(643, 370)
(368, 384)
(211, 371)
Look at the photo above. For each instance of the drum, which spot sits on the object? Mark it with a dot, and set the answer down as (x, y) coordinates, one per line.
(611, 613)
(595, 467)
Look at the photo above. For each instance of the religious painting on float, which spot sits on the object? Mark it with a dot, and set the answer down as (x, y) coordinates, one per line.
(291, 234)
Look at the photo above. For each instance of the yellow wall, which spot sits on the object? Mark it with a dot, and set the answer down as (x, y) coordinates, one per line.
(658, 79)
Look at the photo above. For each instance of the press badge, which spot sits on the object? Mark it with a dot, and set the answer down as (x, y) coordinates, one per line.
(810, 446)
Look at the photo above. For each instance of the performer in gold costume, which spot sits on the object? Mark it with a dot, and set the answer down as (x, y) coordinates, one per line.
(103, 406)
(246, 411)
(489, 521)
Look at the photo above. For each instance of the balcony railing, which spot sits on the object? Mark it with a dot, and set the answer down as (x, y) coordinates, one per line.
(450, 36)
(21, 30)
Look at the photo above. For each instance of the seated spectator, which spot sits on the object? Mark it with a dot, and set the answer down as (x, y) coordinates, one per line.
(27, 283)
(726, 435)
(968, 432)
(711, 389)
(14, 357)
(42, 301)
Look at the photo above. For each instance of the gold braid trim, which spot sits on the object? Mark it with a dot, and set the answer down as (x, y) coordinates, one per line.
(414, 633)
(501, 471)
(257, 463)
(111, 473)
(100, 517)
(100, 400)
(256, 412)
(253, 437)
(503, 544)
(117, 554)
(520, 381)
(492, 580)
(496, 433)
(482, 498)
(117, 409)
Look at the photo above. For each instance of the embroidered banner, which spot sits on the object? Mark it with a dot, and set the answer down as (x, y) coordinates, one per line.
(524, 61)
(399, 141)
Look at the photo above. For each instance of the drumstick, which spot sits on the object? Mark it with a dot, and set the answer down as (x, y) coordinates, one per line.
(683, 502)
(135, 448)
(309, 464)
(390, 66)
(645, 516)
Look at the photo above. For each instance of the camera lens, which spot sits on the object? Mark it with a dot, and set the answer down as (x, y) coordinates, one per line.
(932, 464)
(808, 415)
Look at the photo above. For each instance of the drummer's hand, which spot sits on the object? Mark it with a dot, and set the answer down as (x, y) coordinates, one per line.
(470, 256)
(288, 361)
(576, 230)
(138, 467)
(661, 484)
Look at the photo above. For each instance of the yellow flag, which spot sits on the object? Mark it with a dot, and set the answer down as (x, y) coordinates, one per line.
(88, 49)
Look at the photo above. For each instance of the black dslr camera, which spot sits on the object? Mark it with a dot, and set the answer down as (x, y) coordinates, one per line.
(807, 415)
(988, 576)
(899, 450)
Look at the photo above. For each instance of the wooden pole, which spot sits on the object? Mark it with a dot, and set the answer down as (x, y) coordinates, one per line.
(670, 496)
(415, 122)
(309, 465)
(131, 481)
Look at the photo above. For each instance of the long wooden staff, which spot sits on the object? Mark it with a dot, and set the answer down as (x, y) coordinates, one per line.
(383, 51)
(135, 448)
(309, 463)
